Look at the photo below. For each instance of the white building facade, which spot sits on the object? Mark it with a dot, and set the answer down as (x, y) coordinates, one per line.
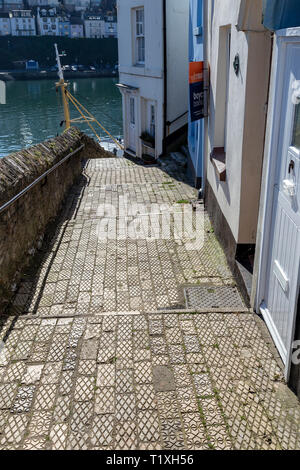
(110, 27)
(76, 28)
(22, 23)
(93, 26)
(5, 28)
(153, 72)
(47, 22)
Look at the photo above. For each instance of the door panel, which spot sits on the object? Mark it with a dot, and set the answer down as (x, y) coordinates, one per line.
(280, 300)
(131, 123)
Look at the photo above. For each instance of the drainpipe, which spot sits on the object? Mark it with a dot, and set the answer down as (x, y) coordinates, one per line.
(165, 73)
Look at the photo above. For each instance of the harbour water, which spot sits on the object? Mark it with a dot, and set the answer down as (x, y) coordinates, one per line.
(33, 110)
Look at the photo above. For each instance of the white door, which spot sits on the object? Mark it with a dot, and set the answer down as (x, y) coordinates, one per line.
(282, 275)
(131, 120)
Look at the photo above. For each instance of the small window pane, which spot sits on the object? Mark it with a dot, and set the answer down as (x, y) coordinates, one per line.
(152, 121)
(132, 111)
(141, 49)
(296, 130)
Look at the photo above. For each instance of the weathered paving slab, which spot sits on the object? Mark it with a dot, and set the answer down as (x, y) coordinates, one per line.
(98, 352)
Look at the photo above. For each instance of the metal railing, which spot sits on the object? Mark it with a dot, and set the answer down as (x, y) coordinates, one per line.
(40, 178)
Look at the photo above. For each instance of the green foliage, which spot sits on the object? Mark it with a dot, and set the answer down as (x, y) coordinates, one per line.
(41, 48)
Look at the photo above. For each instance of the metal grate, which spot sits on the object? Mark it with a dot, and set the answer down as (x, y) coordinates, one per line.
(213, 297)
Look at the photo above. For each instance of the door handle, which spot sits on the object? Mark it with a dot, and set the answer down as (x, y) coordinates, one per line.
(291, 166)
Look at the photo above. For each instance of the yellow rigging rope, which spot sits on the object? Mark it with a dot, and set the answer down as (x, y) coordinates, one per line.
(91, 117)
(84, 117)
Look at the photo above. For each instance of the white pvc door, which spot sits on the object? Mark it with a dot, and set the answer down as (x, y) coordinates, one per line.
(282, 280)
(131, 120)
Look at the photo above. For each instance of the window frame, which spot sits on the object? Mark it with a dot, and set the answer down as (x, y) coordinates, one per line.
(139, 36)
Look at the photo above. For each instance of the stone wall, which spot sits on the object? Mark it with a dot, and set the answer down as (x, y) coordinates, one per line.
(23, 224)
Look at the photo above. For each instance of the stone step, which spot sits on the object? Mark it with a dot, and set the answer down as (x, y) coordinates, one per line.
(185, 150)
(179, 158)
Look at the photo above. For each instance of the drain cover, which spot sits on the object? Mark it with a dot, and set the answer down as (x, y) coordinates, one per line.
(213, 297)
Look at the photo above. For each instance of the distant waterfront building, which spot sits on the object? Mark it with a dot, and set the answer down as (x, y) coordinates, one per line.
(47, 22)
(22, 23)
(64, 25)
(7, 5)
(32, 65)
(76, 27)
(93, 26)
(153, 66)
(77, 5)
(96, 3)
(43, 3)
(5, 28)
(110, 27)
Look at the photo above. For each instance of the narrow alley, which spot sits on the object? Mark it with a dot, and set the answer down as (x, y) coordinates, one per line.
(136, 342)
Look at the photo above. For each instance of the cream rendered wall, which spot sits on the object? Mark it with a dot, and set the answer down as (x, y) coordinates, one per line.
(258, 73)
(238, 196)
(177, 61)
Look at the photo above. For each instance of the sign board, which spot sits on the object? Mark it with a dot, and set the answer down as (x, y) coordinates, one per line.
(196, 81)
(2, 92)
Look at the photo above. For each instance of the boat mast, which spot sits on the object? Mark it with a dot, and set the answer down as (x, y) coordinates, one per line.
(63, 87)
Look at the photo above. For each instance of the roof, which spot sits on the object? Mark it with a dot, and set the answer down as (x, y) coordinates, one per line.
(124, 87)
(18, 13)
(93, 17)
(48, 12)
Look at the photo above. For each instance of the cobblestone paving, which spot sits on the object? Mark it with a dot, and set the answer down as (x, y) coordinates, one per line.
(92, 359)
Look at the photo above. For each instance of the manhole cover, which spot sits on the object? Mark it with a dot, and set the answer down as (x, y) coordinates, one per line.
(213, 297)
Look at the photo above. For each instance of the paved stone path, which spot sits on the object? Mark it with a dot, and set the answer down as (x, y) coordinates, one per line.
(98, 351)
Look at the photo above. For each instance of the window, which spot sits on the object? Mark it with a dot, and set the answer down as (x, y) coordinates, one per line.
(132, 111)
(152, 120)
(139, 36)
(218, 155)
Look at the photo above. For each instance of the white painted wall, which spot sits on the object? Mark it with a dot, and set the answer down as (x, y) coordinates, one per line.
(21, 28)
(177, 62)
(110, 29)
(149, 78)
(47, 24)
(153, 34)
(238, 196)
(93, 28)
(5, 28)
